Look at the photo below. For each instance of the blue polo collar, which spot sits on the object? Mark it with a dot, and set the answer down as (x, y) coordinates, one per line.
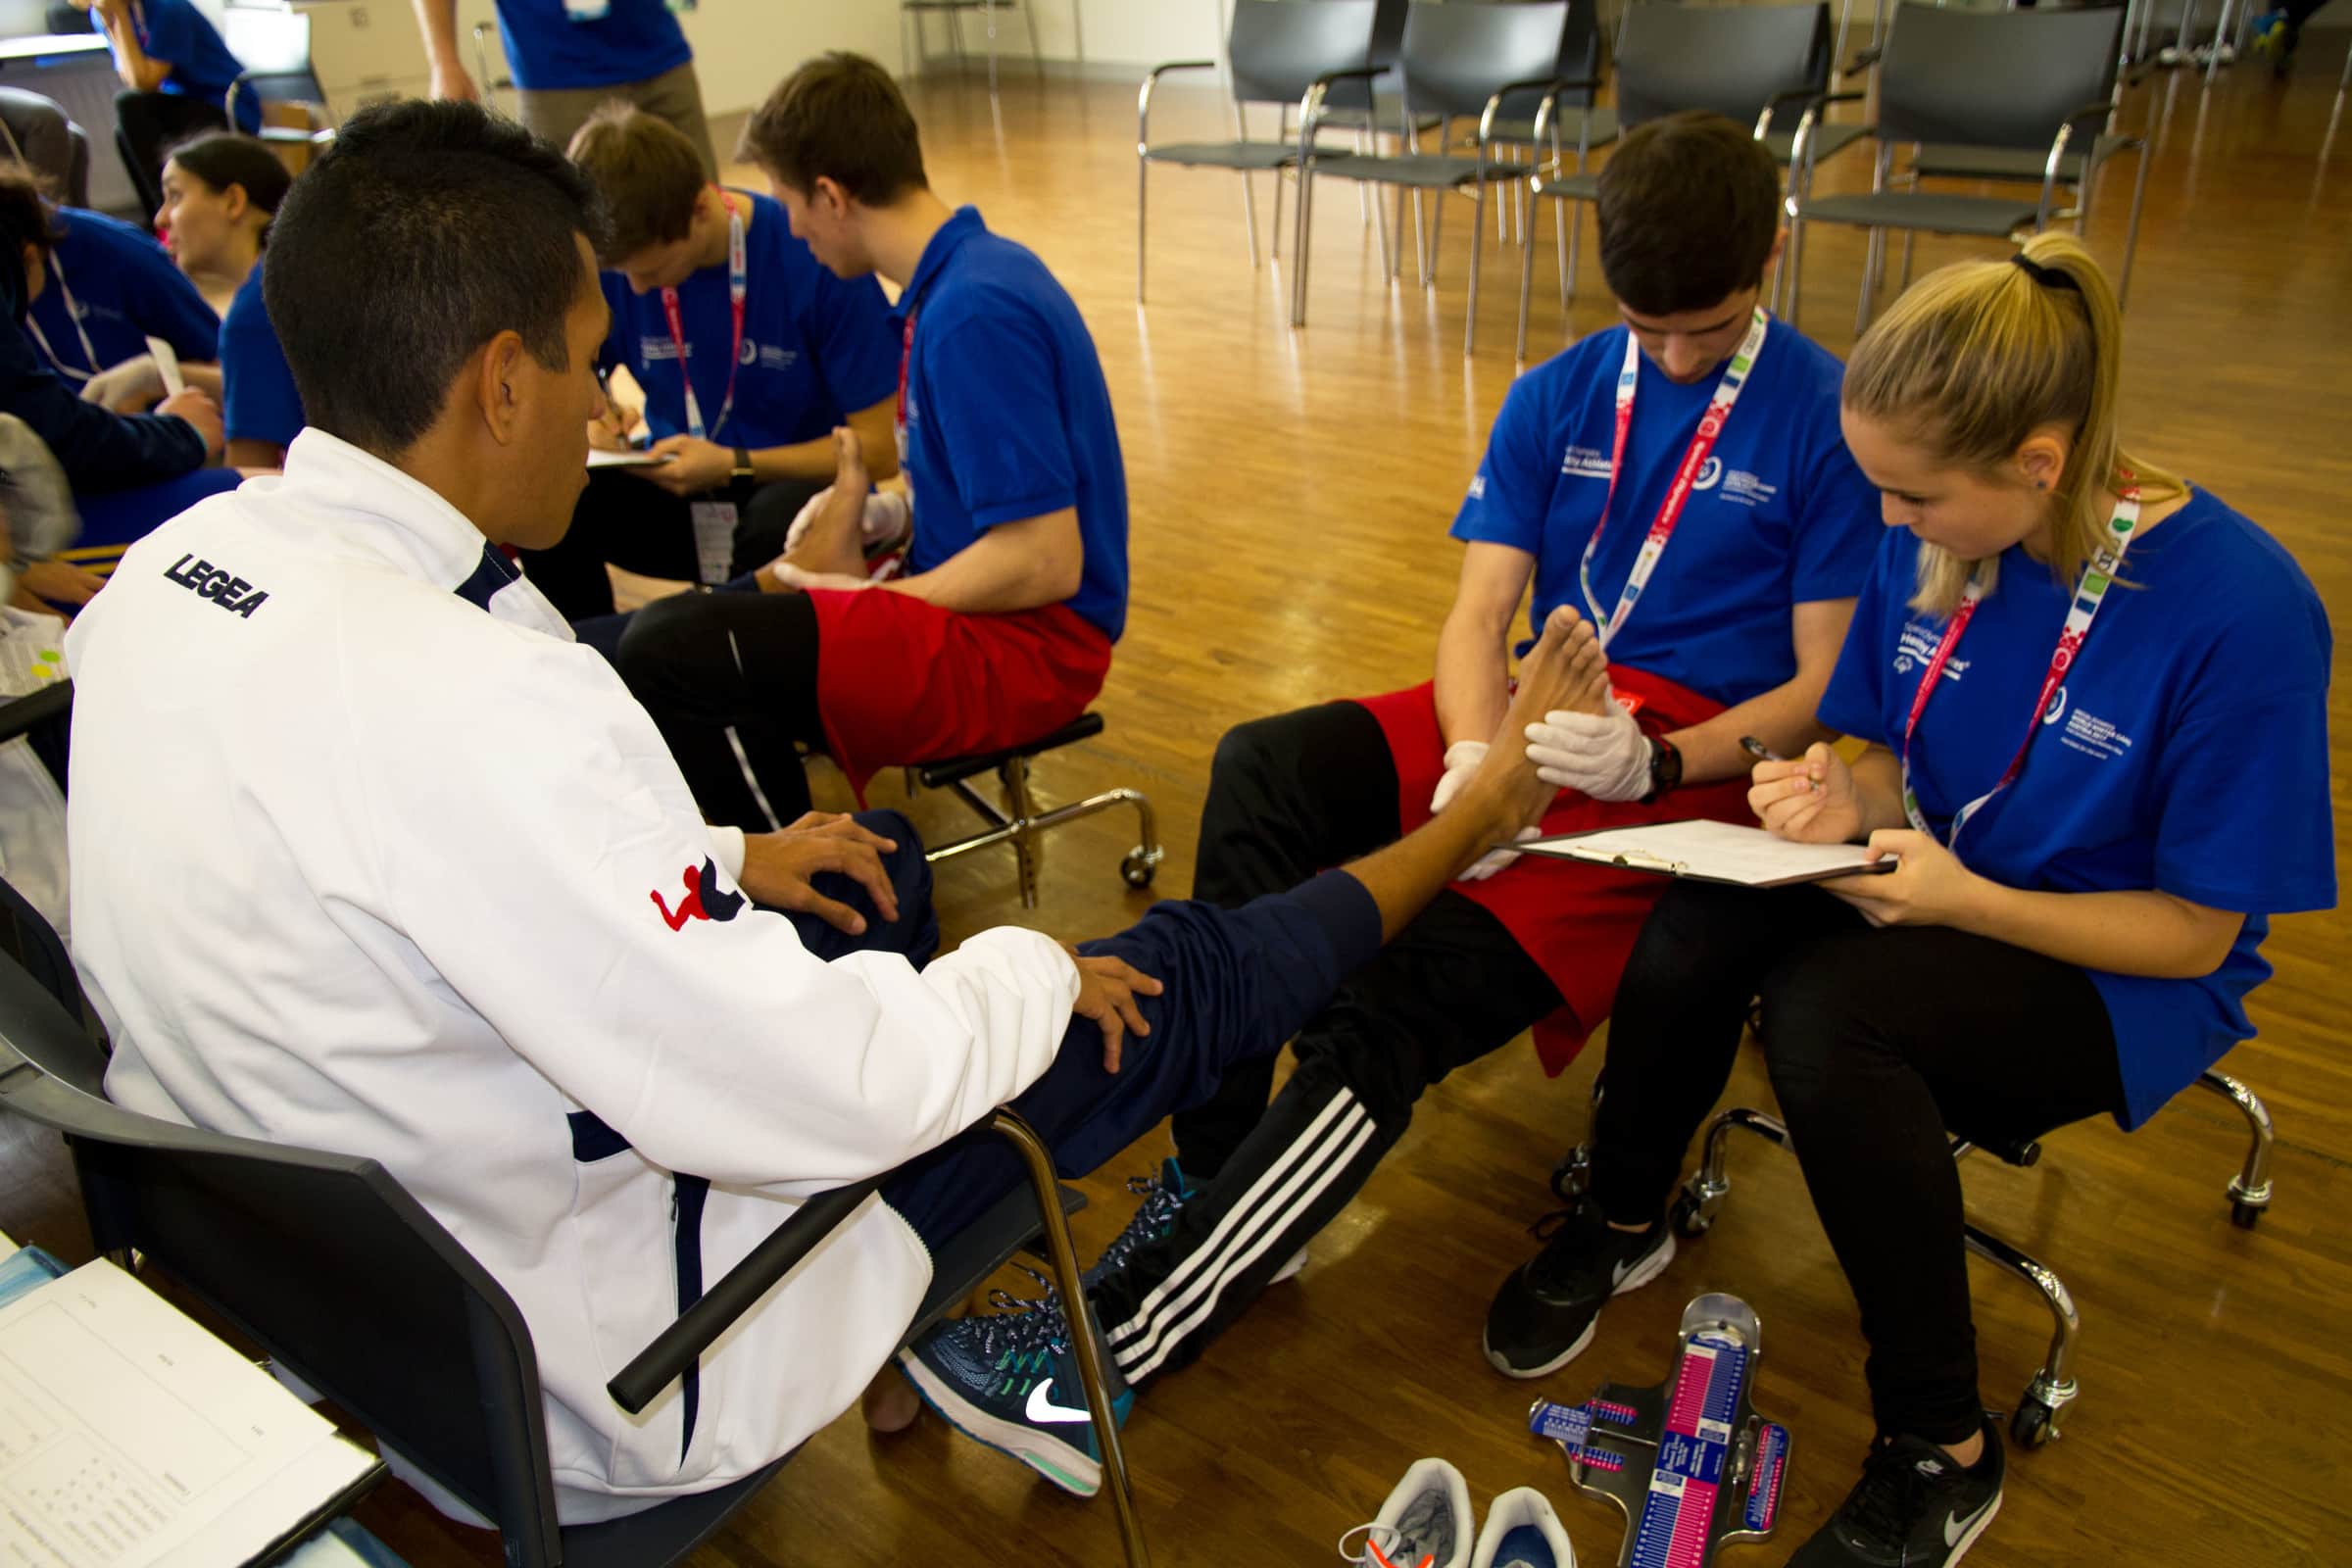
(963, 226)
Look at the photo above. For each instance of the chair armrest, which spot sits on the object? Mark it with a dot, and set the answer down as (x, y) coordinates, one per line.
(21, 714)
(1143, 96)
(1310, 104)
(1795, 95)
(1551, 86)
(677, 1347)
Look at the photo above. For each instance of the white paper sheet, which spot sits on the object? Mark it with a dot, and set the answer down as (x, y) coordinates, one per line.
(1718, 851)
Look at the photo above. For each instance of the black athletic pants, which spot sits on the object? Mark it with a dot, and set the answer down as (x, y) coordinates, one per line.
(1289, 796)
(643, 528)
(730, 679)
(147, 126)
(1879, 1042)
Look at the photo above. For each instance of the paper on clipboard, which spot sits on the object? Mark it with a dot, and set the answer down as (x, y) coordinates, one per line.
(598, 458)
(1711, 852)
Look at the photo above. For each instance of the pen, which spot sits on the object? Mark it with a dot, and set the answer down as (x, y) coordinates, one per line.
(1759, 751)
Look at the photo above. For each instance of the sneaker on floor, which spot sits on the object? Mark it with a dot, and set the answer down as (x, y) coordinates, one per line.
(1916, 1507)
(1544, 1314)
(1163, 1196)
(1425, 1519)
(1010, 1380)
(1522, 1532)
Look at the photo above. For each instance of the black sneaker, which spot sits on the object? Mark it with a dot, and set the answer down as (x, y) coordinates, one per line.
(1916, 1507)
(1544, 1314)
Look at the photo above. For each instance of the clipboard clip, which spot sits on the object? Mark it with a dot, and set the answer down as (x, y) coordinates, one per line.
(1644, 860)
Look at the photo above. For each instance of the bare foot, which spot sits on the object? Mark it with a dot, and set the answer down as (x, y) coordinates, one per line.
(890, 1403)
(1565, 670)
(834, 542)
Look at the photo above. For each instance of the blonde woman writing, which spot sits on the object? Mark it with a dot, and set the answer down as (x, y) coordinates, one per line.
(2095, 700)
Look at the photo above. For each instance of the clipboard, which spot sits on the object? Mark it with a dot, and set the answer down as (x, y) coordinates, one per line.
(1701, 850)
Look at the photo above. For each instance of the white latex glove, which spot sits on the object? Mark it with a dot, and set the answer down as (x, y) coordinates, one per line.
(887, 518)
(138, 380)
(1605, 758)
(1462, 759)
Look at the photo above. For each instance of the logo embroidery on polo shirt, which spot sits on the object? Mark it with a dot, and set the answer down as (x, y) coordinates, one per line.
(1748, 489)
(218, 584)
(2093, 736)
(1711, 473)
(1917, 647)
(1585, 462)
(705, 898)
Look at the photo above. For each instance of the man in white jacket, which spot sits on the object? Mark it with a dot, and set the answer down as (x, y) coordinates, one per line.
(367, 855)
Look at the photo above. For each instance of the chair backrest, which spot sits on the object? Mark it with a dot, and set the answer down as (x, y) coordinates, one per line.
(1277, 48)
(1455, 56)
(323, 1259)
(1994, 78)
(1733, 60)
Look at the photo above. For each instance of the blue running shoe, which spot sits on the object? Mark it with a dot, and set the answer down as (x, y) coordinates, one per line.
(1010, 1380)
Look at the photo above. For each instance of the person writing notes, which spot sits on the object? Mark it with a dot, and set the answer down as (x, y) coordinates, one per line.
(2095, 698)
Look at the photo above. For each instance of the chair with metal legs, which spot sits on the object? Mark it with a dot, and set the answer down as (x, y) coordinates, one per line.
(1281, 52)
(2039, 81)
(2053, 1386)
(1461, 60)
(914, 12)
(1765, 66)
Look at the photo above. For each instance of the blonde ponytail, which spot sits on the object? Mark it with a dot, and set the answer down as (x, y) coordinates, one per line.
(1975, 358)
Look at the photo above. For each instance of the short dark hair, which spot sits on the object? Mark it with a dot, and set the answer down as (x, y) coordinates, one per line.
(424, 233)
(837, 118)
(1688, 207)
(25, 218)
(648, 174)
(222, 158)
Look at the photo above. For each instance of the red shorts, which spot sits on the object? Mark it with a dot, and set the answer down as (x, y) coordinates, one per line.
(1576, 921)
(901, 682)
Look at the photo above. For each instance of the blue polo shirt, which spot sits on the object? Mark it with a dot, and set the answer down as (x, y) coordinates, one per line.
(1780, 516)
(125, 289)
(1007, 416)
(258, 399)
(2188, 751)
(202, 67)
(815, 348)
(634, 40)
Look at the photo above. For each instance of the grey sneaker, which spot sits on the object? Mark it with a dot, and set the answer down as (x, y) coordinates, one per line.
(1427, 1516)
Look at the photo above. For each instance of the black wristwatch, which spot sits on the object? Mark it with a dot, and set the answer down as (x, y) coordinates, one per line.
(743, 464)
(1665, 767)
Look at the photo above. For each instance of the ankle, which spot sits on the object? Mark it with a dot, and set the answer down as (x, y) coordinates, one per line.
(1967, 1453)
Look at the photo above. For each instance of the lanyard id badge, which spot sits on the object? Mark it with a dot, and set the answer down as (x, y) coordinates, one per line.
(89, 354)
(2090, 591)
(713, 539)
(1686, 478)
(738, 291)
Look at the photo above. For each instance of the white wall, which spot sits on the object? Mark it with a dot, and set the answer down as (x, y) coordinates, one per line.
(1140, 33)
(742, 48)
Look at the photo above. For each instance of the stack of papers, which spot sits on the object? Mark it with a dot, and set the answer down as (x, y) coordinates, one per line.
(1711, 851)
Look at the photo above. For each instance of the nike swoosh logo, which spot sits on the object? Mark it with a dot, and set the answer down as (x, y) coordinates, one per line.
(1954, 1527)
(1042, 1408)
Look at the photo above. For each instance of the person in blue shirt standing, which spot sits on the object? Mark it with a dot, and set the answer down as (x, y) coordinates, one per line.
(110, 288)
(999, 630)
(220, 194)
(176, 78)
(2097, 703)
(571, 57)
(741, 411)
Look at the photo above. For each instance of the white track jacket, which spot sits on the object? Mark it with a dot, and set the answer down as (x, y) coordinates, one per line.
(368, 856)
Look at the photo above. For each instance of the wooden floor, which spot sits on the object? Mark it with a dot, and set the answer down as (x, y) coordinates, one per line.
(1290, 496)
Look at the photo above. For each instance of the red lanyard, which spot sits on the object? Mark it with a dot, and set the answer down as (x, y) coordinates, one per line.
(2089, 593)
(1670, 511)
(738, 290)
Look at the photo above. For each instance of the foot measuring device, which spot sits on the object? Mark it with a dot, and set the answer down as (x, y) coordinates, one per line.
(1689, 1460)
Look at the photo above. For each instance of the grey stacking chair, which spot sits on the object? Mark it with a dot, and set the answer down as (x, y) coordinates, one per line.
(1460, 61)
(2039, 82)
(1285, 52)
(1766, 66)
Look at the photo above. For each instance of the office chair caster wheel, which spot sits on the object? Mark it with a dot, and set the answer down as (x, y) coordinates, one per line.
(1690, 1220)
(2034, 1425)
(1140, 867)
(1571, 1175)
(2245, 1216)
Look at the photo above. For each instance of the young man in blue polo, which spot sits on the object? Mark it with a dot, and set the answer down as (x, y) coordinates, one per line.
(749, 354)
(1000, 629)
(1679, 479)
